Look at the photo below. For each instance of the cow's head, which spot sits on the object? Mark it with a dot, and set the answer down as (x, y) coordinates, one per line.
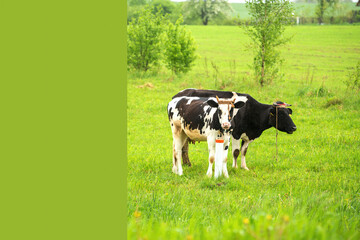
(284, 121)
(225, 108)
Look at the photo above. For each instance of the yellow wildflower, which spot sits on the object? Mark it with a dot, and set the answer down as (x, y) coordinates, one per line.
(137, 214)
(189, 237)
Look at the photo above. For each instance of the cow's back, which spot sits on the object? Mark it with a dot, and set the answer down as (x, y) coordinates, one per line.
(191, 92)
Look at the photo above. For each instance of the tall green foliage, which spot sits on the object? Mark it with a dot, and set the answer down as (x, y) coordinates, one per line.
(144, 39)
(153, 39)
(170, 9)
(166, 6)
(268, 21)
(321, 8)
(179, 48)
(206, 9)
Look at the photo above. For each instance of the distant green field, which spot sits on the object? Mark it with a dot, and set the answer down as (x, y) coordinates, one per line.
(301, 9)
(312, 192)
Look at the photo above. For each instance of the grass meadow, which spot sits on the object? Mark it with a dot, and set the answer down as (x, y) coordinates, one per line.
(311, 192)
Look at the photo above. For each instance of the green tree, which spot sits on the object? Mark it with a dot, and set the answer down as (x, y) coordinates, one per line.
(144, 39)
(134, 8)
(268, 21)
(321, 8)
(179, 48)
(166, 6)
(206, 9)
(136, 2)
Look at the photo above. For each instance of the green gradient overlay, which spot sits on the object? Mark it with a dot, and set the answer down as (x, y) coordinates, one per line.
(63, 120)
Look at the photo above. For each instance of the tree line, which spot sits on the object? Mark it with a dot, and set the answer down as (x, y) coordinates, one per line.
(155, 41)
(220, 12)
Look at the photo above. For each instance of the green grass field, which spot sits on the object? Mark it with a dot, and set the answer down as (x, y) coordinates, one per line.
(312, 192)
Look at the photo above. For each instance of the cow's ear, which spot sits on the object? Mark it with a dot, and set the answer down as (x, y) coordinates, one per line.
(212, 102)
(290, 111)
(239, 101)
(239, 104)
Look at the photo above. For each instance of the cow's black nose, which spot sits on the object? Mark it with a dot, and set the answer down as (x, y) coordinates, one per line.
(294, 128)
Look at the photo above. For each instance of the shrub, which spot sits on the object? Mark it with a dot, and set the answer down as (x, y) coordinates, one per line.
(144, 39)
(179, 48)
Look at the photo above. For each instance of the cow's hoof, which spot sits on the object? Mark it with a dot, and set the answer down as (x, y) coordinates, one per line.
(235, 166)
(245, 168)
(209, 174)
(174, 170)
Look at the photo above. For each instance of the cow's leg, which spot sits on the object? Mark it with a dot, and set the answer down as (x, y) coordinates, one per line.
(235, 151)
(185, 154)
(211, 146)
(244, 146)
(179, 140)
(225, 153)
(174, 168)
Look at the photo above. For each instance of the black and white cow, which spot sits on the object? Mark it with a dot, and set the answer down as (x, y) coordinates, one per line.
(248, 123)
(201, 119)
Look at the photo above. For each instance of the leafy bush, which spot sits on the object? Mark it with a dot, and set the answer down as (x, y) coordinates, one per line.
(179, 48)
(144, 39)
(152, 38)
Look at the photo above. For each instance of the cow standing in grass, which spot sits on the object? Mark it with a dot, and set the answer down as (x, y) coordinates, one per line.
(201, 119)
(249, 122)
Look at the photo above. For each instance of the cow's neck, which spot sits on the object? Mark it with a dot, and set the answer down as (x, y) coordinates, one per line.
(261, 116)
(256, 122)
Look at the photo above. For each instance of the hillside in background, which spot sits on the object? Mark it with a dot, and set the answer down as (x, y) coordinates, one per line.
(301, 9)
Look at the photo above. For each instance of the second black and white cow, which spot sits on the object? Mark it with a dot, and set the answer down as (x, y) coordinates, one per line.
(201, 119)
(249, 122)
